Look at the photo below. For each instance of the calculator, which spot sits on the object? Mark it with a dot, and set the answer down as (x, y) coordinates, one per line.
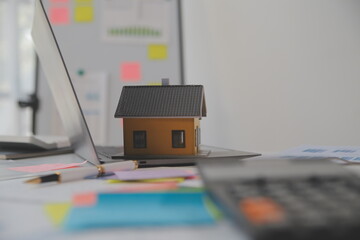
(275, 199)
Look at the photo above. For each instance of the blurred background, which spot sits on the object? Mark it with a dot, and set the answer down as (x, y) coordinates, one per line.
(277, 74)
(17, 66)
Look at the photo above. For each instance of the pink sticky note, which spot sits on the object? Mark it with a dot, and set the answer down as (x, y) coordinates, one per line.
(130, 72)
(59, 15)
(70, 165)
(45, 167)
(84, 199)
(59, 1)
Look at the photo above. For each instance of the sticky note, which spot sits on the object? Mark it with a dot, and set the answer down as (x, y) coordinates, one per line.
(59, 15)
(59, 1)
(130, 72)
(45, 167)
(84, 14)
(84, 199)
(154, 84)
(212, 208)
(178, 180)
(57, 212)
(141, 209)
(157, 52)
(190, 189)
(152, 174)
(144, 187)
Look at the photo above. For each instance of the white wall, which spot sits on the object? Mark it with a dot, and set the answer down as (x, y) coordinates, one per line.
(277, 73)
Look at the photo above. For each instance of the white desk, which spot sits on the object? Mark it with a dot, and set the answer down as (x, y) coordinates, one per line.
(22, 215)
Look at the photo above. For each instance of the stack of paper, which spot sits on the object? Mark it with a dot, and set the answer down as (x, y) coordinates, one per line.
(140, 209)
(346, 153)
(145, 197)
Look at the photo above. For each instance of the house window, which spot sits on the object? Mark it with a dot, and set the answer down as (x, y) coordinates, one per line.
(139, 138)
(178, 139)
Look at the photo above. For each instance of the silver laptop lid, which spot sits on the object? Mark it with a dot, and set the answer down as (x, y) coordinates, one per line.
(61, 86)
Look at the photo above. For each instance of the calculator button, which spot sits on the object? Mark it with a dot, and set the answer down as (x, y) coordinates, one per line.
(261, 210)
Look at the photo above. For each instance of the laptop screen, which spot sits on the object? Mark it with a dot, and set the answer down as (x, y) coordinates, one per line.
(61, 86)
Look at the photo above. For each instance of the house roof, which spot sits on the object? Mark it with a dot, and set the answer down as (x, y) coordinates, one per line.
(161, 101)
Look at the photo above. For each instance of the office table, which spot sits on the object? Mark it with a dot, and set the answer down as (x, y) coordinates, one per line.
(22, 215)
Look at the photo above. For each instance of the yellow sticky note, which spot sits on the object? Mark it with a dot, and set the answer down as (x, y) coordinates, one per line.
(157, 52)
(164, 180)
(84, 14)
(154, 84)
(57, 212)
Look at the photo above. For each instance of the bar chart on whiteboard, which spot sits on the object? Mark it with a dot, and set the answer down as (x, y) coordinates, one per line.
(137, 21)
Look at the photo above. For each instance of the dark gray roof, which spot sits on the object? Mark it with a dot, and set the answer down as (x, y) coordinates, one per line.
(161, 101)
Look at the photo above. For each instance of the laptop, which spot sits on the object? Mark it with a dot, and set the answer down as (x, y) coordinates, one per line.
(70, 111)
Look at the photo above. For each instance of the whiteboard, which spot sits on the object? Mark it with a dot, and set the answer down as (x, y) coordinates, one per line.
(126, 42)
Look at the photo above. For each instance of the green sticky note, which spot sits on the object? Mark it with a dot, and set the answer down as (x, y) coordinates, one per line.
(157, 52)
(212, 208)
(84, 14)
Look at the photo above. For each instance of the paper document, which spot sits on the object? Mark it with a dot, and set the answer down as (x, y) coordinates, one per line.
(92, 92)
(347, 153)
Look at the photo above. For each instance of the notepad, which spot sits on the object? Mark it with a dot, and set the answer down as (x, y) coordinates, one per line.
(141, 209)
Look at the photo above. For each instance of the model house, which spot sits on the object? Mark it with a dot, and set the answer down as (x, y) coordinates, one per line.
(161, 120)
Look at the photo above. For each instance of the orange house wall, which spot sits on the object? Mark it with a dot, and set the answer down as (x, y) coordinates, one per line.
(159, 136)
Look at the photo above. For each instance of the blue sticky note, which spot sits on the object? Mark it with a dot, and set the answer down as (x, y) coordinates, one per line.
(141, 209)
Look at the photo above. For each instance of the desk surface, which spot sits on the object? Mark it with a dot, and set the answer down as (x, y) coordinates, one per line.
(23, 218)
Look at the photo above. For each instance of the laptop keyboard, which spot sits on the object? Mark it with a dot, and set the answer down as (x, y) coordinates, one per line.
(312, 208)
